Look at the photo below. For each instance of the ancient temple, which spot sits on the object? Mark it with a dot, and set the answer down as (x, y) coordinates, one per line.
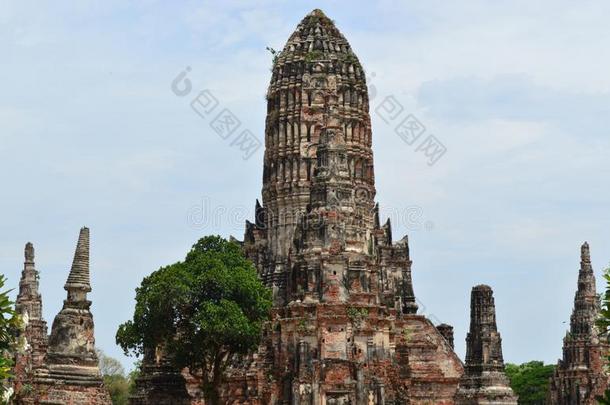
(68, 371)
(344, 325)
(35, 339)
(581, 376)
(484, 380)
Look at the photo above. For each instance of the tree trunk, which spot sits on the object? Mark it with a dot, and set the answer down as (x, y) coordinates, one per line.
(211, 396)
(211, 389)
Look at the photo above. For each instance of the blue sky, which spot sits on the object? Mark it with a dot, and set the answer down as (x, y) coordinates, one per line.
(519, 94)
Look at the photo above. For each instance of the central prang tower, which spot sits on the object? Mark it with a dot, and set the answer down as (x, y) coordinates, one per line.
(344, 328)
(317, 101)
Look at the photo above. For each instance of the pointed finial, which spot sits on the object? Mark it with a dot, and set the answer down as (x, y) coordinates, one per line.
(79, 274)
(482, 288)
(29, 252)
(388, 227)
(405, 242)
(259, 215)
(585, 255)
(317, 13)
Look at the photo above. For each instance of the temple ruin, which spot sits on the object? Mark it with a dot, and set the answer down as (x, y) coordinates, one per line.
(344, 325)
(29, 306)
(61, 368)
(581, 375)
(484, 380)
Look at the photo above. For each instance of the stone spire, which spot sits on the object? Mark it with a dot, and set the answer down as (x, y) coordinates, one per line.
(29, 305)
(72, 339)
(29, 300)
(586, 301)
(409, 303)
(579, 377)
(484, 380)
(78, 280)
(71, 371)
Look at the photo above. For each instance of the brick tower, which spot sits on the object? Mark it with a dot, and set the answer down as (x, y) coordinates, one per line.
(29, 305)
(580, 376)
(344, 326)
(484, 381)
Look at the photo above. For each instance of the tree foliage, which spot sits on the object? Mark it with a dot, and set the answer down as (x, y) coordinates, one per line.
(10, 324)
(109, 365)
(201, 311)
(119, 385)
(530, 381)
(603, 324)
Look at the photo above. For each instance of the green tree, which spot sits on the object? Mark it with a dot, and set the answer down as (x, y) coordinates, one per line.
(133, 376)
(114, 378)
(109, 365)
(202, 311)
(530, 381)
(10, 324)
(603, 324)
(118, 387)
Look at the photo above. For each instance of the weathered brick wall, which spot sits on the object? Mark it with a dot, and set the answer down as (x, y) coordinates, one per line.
(71, 395)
